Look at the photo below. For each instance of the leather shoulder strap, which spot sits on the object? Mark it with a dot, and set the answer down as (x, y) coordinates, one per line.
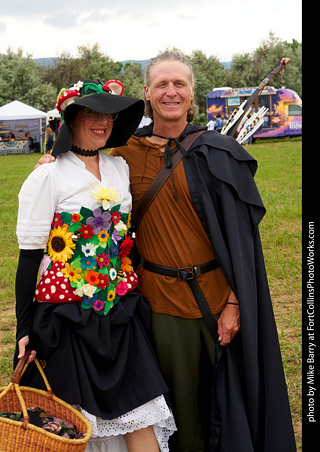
(162, 176)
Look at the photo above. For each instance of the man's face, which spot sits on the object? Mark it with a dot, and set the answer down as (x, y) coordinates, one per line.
(170, 91)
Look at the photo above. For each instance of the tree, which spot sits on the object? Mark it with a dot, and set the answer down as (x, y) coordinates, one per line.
(95, 65)
(21, 80)
(132, 79)
(209, 73)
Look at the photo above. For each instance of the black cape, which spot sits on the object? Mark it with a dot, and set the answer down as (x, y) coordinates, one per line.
(250, 410)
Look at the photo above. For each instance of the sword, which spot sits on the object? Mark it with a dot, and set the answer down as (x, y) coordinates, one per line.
(236, 118)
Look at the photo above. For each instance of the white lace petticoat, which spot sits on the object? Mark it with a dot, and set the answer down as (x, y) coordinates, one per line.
(107, 435)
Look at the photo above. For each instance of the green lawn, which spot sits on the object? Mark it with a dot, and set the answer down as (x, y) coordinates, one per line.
(279, 181)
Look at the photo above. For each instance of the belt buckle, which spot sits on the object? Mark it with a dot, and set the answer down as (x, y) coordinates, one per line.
(194, 272)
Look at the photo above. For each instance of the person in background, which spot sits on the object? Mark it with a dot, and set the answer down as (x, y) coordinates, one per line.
(87, 323)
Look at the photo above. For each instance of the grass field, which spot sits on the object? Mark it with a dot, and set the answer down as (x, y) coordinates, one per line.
(279, 181)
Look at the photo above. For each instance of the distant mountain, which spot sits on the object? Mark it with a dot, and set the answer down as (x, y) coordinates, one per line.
(47, 61)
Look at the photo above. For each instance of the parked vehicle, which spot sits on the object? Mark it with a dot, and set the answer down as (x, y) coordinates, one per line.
(283, 119)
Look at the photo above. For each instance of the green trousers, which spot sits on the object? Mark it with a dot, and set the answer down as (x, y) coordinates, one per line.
(186, 350)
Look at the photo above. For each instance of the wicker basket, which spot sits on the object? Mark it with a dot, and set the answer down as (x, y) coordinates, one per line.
(25, 437)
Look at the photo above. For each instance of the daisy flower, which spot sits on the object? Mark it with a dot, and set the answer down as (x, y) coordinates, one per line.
(71, 273)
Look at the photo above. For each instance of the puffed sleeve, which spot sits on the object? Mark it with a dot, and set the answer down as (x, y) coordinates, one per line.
(37, 203)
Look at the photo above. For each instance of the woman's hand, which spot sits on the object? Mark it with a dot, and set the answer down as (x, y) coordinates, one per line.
(22, 344)
(229, 321)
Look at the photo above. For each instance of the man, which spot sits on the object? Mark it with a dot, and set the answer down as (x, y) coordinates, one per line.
(207, 212)
(209, 208)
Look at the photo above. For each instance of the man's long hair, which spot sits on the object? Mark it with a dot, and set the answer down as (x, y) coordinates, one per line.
(169, 55)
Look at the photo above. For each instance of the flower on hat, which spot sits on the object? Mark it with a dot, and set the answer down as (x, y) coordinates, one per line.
(77, 86)
(60, 244)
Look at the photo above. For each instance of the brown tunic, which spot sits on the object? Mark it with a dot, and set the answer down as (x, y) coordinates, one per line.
(170, 234)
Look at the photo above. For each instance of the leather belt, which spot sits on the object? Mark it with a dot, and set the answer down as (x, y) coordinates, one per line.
(183, 273)
(189, 274)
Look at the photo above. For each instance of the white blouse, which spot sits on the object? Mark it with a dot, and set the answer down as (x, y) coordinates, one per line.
(65, 186)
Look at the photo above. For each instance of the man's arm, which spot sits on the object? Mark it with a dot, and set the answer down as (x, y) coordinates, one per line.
(229, 321)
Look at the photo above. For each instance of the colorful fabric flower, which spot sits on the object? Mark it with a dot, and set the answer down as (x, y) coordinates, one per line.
(87, 262)
(86, 290)
(71, 273)
(108, 196)
(57, 220)
(103, 281)
(75, 218)
(103, 236)
(114, 250)
(86, 231)
(102, 260)
(92, 278)
(113, 273)
(115, 217)
(99, 221)
(111, 295)
(88, 249)
(89, 300)
(120, 226)
(116, 237)
(60, 244)
(121, 288)
(125, 247)
(98, 305)
(126, 265)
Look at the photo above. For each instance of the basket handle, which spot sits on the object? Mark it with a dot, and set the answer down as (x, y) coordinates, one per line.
(15, 381)
(19, 368)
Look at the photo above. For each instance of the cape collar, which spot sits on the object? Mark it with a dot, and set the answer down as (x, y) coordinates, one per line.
(147, 130)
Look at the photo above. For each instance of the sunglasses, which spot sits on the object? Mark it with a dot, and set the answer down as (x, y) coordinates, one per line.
(95, 116)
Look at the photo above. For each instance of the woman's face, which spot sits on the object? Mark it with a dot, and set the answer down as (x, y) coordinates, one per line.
(90, 130)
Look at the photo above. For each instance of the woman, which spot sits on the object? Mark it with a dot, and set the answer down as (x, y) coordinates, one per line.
(86, 325)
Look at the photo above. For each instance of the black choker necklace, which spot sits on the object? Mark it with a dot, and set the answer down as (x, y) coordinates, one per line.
(84, 152)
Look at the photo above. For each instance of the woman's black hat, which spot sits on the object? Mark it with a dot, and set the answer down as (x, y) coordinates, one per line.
(103, 98)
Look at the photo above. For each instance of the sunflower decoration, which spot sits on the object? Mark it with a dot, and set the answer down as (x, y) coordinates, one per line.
(60, 244)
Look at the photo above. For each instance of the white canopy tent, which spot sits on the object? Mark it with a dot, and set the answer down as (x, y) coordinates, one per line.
(20, 118)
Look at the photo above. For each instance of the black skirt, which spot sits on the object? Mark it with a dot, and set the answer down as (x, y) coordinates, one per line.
(105, 364)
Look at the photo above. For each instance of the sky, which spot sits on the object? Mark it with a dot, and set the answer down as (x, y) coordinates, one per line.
(140, 29)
